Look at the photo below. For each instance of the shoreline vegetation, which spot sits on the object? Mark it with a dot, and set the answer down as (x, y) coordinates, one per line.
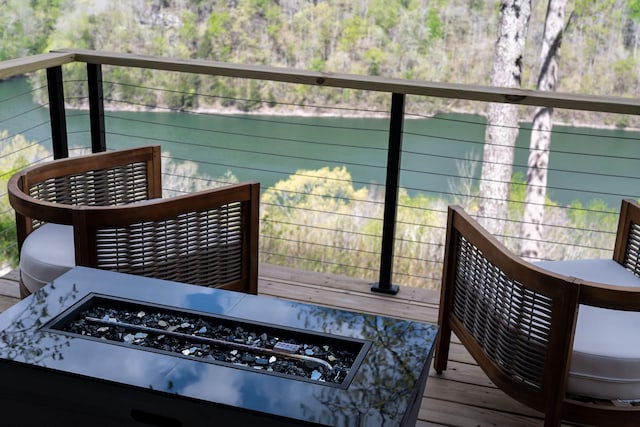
(303, 112)
(606, 121)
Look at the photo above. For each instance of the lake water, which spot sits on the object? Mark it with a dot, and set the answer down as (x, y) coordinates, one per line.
(585, 163)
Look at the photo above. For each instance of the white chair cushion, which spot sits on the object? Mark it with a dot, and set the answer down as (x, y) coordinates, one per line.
(606, 349)
(46, 253)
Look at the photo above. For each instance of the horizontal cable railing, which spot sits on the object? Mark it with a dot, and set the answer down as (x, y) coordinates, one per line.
(309, 214)
(322, 166)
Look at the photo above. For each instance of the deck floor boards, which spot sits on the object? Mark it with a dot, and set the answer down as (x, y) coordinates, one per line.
(462, 396)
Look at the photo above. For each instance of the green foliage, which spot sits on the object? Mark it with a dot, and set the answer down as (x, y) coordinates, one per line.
(307, 222)
(592, 229)
(317, 64)
(8, 242)
(260, 7)
(317, 220)
(355, 28)
(218, 23)
(634, 9)
(329, 188)
(595, 212)
(26, 26)
(626, 74)
(15, 154)
(374, 57)
(439, 40)
(183, 90)
(435, 24)
(385, 13)
(250, 98)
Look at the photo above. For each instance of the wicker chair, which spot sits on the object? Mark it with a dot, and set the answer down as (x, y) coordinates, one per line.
(105, 211)
(549, 340)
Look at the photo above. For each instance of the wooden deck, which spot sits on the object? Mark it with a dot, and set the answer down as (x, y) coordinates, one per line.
(462, 396)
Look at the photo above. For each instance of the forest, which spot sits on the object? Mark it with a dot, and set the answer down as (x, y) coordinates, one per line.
(434, 40)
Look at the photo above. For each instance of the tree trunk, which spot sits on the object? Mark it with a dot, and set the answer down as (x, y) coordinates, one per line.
(502, 119)
(541, 133)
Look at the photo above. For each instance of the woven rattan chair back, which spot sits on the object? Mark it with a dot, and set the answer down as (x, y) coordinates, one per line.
(47, 192)
(208, 238)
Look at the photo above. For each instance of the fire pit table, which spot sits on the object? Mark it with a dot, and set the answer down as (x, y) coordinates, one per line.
(102, 348)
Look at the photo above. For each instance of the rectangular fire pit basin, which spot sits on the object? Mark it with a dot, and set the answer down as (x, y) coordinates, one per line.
(103, 348)
(262, 348)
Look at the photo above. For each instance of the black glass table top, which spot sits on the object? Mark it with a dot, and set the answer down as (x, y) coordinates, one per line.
(380, 392)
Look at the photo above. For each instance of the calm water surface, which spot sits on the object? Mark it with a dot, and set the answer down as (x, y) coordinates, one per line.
(585, 163)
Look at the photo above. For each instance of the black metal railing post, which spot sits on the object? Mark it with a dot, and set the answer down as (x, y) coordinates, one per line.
(391, 196)
(57, 113)
(96, 108)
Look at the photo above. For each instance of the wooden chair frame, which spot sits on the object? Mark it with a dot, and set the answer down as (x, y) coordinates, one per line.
(121, 223)
(518, 320)
(46, 193)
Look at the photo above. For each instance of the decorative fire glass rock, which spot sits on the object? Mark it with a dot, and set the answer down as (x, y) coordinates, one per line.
(214, 339)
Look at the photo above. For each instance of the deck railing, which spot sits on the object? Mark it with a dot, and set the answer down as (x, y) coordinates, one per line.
(381, 217)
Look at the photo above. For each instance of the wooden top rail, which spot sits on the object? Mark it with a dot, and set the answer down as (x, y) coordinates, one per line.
(607, 104)
(29, 64)
(378, 84)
